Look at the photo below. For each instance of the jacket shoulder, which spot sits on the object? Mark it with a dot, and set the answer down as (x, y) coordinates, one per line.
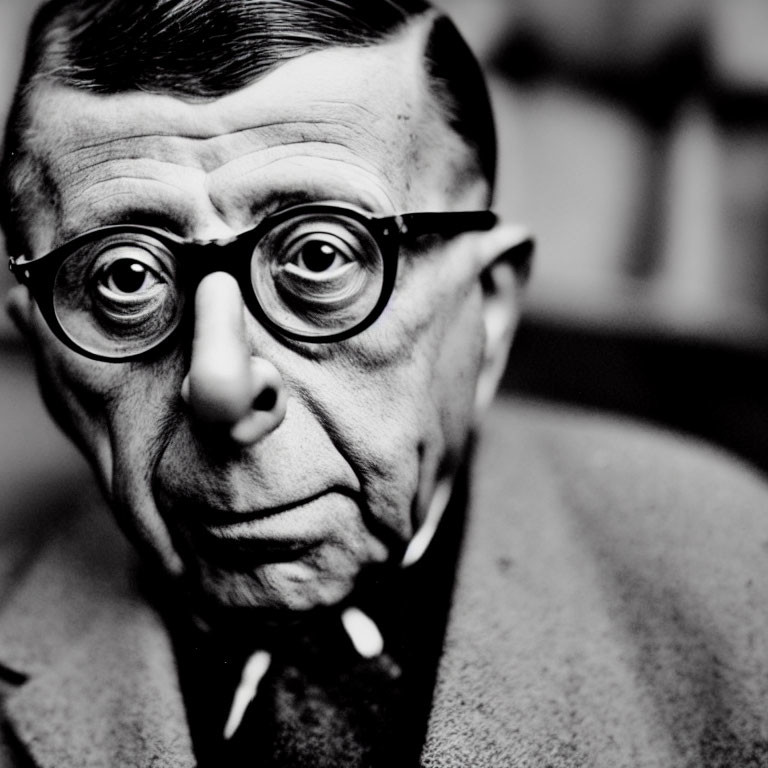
(614, 574)
(615, 468)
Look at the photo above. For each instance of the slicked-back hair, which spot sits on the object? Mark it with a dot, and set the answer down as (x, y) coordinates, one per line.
(204, 49)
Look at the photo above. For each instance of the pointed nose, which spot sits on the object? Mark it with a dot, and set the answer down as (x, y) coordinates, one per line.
(226, 385)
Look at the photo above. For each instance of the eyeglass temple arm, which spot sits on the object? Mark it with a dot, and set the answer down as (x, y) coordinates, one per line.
(18, 268)
(450, 224)
(447, 223)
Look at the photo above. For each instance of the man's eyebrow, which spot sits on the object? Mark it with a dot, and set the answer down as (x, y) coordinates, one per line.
(281, 199)
(143, 216)
(278, 199)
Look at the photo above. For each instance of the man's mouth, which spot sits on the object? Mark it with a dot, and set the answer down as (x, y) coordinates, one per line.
(279, 533)
(224, 521)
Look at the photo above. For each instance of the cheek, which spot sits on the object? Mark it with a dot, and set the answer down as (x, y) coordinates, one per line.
(73, 389)
(107, 409)
(435, 352)
(403, 401)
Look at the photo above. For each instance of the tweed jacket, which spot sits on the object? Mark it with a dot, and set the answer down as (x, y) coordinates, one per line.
(609, 611)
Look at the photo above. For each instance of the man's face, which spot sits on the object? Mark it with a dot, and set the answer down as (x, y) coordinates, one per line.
(340, 467)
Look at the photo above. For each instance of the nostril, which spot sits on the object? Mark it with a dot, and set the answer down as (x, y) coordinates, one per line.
(266, 401)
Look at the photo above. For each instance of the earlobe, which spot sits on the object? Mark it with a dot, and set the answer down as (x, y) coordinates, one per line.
(506, 265)
(19, 307)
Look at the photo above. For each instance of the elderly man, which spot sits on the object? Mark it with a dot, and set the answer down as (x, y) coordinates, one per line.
(268, 302)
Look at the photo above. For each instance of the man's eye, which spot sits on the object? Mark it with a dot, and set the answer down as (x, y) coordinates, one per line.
(127, 277)
(128, 284)
(317, 273)
(325, 267)
(119, 293)
(319, 256)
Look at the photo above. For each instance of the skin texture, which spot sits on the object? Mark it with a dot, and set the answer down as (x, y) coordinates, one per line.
(276, 501)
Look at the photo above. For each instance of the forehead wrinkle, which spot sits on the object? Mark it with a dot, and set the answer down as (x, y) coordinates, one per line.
(350, 106)
(123, 185)
(155, 149)
(293, 153)
(139, 145)
(206, 154)
(349, 136)
(276, 182)
(383, 155)
(113, 168)
(201, 151)
(82, 182)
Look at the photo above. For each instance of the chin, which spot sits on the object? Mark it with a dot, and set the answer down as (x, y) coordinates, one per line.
(294, 587)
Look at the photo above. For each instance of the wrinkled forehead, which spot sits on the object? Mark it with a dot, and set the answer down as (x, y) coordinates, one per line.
(341, 117)
(375, 80)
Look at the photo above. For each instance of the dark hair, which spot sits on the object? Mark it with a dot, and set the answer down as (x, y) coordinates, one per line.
(208, 48)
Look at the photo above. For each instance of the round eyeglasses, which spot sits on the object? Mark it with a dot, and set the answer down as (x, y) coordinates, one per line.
(313, 273)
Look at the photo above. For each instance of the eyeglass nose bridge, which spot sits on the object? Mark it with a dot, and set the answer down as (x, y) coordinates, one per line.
(231, 255)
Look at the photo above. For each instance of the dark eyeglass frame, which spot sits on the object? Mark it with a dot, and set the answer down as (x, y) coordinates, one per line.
(233, 256)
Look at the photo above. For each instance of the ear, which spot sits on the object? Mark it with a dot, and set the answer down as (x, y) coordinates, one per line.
(506, 253)
(19, 307)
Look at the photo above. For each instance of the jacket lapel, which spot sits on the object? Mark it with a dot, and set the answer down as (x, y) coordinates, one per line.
(535, 668)
(101, 686)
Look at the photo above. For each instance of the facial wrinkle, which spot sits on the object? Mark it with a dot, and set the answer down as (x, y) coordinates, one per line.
(131, 482)
(329, 180)
(286, 153)
(366, 471)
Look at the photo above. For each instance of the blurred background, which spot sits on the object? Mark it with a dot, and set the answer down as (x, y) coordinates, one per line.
(634, 142)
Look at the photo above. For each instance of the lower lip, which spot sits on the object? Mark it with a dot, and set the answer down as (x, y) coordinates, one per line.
(247, 553)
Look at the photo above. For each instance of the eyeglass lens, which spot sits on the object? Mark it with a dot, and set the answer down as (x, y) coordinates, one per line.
(314, 275)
